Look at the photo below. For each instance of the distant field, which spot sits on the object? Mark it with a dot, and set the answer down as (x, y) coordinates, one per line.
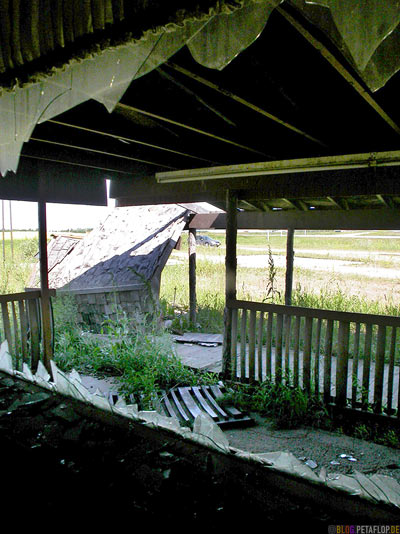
(20, 234)
(364, 274)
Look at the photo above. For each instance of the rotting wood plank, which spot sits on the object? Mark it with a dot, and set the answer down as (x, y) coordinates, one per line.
(379, 367)
(317, 313)
(243, 344)
(317, 356)
(308, 328)
(260, 345)
(189, 402)
(234, 343)
(214, 404)
(252, 345)
(342, 363)
(6, 324)
(278, 348)
(268, 355)
(24, 330)
(366, 365)
(34, 332)
(204, 404)
(168, 405)
(296, 351)
(328, 360)
(391, 371)
(179, 406)
(354, 378)
(230, 409)
(287, 326)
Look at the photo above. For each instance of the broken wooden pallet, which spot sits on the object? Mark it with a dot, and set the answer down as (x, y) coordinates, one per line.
(186, 403)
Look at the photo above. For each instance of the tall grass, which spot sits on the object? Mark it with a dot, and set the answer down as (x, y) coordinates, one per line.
(16, 264)
(138, 354)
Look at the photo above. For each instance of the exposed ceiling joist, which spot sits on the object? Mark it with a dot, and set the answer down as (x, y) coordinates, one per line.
(121, 106)
(244, 102)
(360, 219)
(103, 153)
(303, 165)
(362, 91)
(130, 140)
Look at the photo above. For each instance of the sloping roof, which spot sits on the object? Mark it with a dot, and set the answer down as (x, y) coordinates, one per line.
(129, 247)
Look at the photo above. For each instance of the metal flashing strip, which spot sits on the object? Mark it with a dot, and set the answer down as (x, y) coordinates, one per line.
(325, 163)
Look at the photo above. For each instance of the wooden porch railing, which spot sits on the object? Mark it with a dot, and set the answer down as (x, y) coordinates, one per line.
(349, 358)
(20, 325)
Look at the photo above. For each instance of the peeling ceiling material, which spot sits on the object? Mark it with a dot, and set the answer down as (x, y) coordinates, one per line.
(55, 56)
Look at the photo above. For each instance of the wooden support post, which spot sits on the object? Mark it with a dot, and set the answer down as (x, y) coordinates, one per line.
(44, 287)
(289, 267)
(230, 279)
(192, 275)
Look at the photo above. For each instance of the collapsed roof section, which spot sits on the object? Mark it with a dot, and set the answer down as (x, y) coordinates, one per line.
(130, 247)
(56, 58)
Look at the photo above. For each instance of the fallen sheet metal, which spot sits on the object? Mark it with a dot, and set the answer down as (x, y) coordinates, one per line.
(186, 403)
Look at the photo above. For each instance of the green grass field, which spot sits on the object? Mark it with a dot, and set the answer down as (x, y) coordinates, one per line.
(311, 288)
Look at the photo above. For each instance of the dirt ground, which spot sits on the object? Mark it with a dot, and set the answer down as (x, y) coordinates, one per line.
(319, 446)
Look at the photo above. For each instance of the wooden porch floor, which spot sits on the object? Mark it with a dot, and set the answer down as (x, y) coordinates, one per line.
(209, 358)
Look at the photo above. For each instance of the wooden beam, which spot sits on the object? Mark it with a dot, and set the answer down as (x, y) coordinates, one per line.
(244, 102)
(44, 288)
(386, 201)
(362, 219)
(362, 91)
(101, 152)
(192, 275)
(334, 202)
(193, 129)
(230, 280)
(129, 140)
(290, 203)
(197, 97)
(289, 266)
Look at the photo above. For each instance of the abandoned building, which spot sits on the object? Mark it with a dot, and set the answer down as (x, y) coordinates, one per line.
(283, 114)
(117, 266)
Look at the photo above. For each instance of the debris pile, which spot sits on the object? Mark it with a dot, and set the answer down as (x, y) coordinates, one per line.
(55, 432)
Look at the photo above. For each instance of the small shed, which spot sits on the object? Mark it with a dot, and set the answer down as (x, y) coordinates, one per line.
(117, 266)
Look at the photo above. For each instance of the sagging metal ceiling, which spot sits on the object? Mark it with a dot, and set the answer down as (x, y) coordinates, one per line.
(301, 86)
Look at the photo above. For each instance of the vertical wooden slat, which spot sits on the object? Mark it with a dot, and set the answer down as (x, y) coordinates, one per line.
(260, 346)
(316, 357)
(243, 345)
(391, 370)
(16, 336)
(379, 368)
(268, 348)
(366, 365)
(230, 278)
(192, 275)
(289, 266)
(342, 363)
(6, 324)
(278, 347)
(287, 324)
(33, 315)
(307, 353)
(252, 346)
(296, 351)
(328, 360)
(354, 378)
(234, 341)
(44, 285)
(24, 330)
